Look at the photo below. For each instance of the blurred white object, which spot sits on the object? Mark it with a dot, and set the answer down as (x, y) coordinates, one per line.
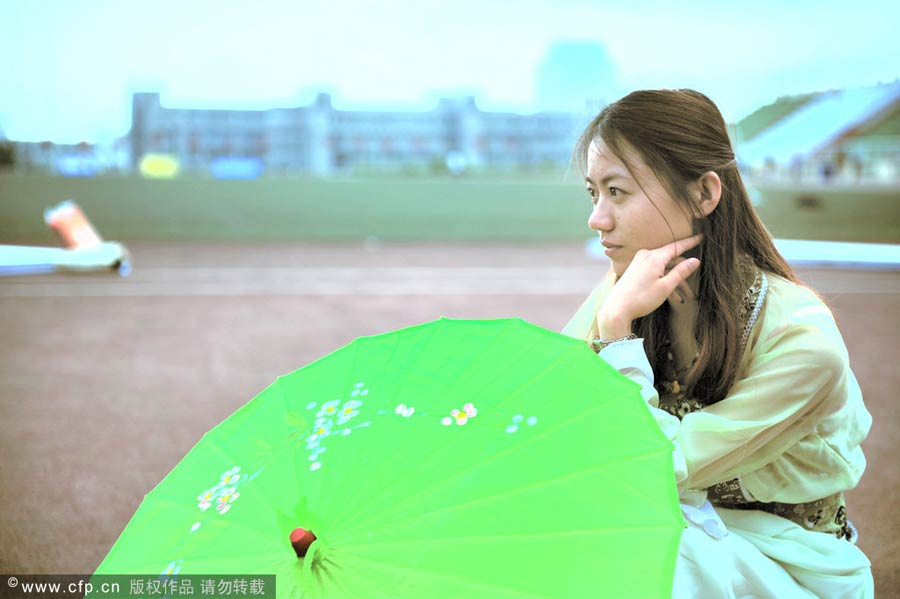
(84, 249)
(833, 254)
(840, 253)
(23, 259)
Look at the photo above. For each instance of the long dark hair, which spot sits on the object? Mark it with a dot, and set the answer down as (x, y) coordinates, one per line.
(680, 135)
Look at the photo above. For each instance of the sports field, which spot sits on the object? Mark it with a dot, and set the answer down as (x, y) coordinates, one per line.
(105, 383)
(525, 208)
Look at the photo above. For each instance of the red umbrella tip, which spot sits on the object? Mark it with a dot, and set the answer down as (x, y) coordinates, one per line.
(301, 539)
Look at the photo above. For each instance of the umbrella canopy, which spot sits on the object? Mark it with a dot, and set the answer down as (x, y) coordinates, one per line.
(451, 459)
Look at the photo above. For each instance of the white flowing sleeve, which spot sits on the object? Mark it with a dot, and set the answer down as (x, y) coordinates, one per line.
(794, 394)
(629, 358)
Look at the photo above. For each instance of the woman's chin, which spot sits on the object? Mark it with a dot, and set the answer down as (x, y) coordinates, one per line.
(619, 267)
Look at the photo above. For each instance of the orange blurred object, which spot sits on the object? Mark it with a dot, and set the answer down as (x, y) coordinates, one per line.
(74, 229)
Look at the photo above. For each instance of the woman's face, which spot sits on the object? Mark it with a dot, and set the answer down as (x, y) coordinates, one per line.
(623, 214)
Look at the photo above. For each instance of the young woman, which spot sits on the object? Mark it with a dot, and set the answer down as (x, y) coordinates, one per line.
(742, 366)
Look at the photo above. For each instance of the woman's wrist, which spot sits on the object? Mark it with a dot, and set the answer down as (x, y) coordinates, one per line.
(611, 326)
(599, 345)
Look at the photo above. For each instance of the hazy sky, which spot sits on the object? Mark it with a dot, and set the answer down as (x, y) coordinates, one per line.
(71, 65)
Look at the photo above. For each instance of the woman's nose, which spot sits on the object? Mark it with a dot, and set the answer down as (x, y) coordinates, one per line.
(600, 218)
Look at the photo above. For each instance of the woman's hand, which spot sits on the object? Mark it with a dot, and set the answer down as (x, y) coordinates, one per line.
(652, 277)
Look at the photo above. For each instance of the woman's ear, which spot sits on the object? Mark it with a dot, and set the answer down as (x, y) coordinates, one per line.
(710, 192)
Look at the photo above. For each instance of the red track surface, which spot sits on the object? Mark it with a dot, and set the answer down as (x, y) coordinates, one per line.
(106, 383)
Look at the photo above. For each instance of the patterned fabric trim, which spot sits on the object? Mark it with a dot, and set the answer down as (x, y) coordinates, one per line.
(753, 302)
(730, 492)
(828, 515)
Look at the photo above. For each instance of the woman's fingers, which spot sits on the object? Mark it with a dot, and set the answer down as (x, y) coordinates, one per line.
(681, 267)
(669, 254)
(653, 276)
(680, 246)
(674, 262)
(678, 275)
(683, 291)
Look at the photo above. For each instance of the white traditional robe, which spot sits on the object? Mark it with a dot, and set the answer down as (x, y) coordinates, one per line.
(790, 429)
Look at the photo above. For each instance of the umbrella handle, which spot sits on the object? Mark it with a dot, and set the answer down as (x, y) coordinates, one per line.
(301, 539)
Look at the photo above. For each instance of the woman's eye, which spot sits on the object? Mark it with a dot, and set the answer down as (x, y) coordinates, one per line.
(593, 195)
(614, 191)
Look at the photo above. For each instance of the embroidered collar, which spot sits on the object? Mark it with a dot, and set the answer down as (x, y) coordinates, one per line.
(753, 301)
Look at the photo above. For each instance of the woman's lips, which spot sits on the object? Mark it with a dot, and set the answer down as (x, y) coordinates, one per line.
(611, 249)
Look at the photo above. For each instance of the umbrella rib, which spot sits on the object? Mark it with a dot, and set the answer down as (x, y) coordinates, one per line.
(425, 465)
(453, 581)
(232, 522)
(408, 373)
(343, 509)
(592, 532)
(512, 492)
(335, 580)
(411, 499)
(284, 448)
(214, 445)
(180, 507)
(277, 562)
(406, 344)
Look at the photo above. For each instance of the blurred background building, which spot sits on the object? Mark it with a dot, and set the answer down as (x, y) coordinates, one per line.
(824, 138)
(74, 160)
(321, 140)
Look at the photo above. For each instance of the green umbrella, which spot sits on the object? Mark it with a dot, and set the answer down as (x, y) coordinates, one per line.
(455, 458)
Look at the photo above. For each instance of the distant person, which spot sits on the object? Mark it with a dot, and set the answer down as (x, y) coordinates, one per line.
(796, 168)
(840, 162)
(769, 167)
(741, 365)
(858, 167)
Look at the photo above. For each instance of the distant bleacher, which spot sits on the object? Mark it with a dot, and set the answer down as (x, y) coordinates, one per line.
(764, 118)
(812, 124)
